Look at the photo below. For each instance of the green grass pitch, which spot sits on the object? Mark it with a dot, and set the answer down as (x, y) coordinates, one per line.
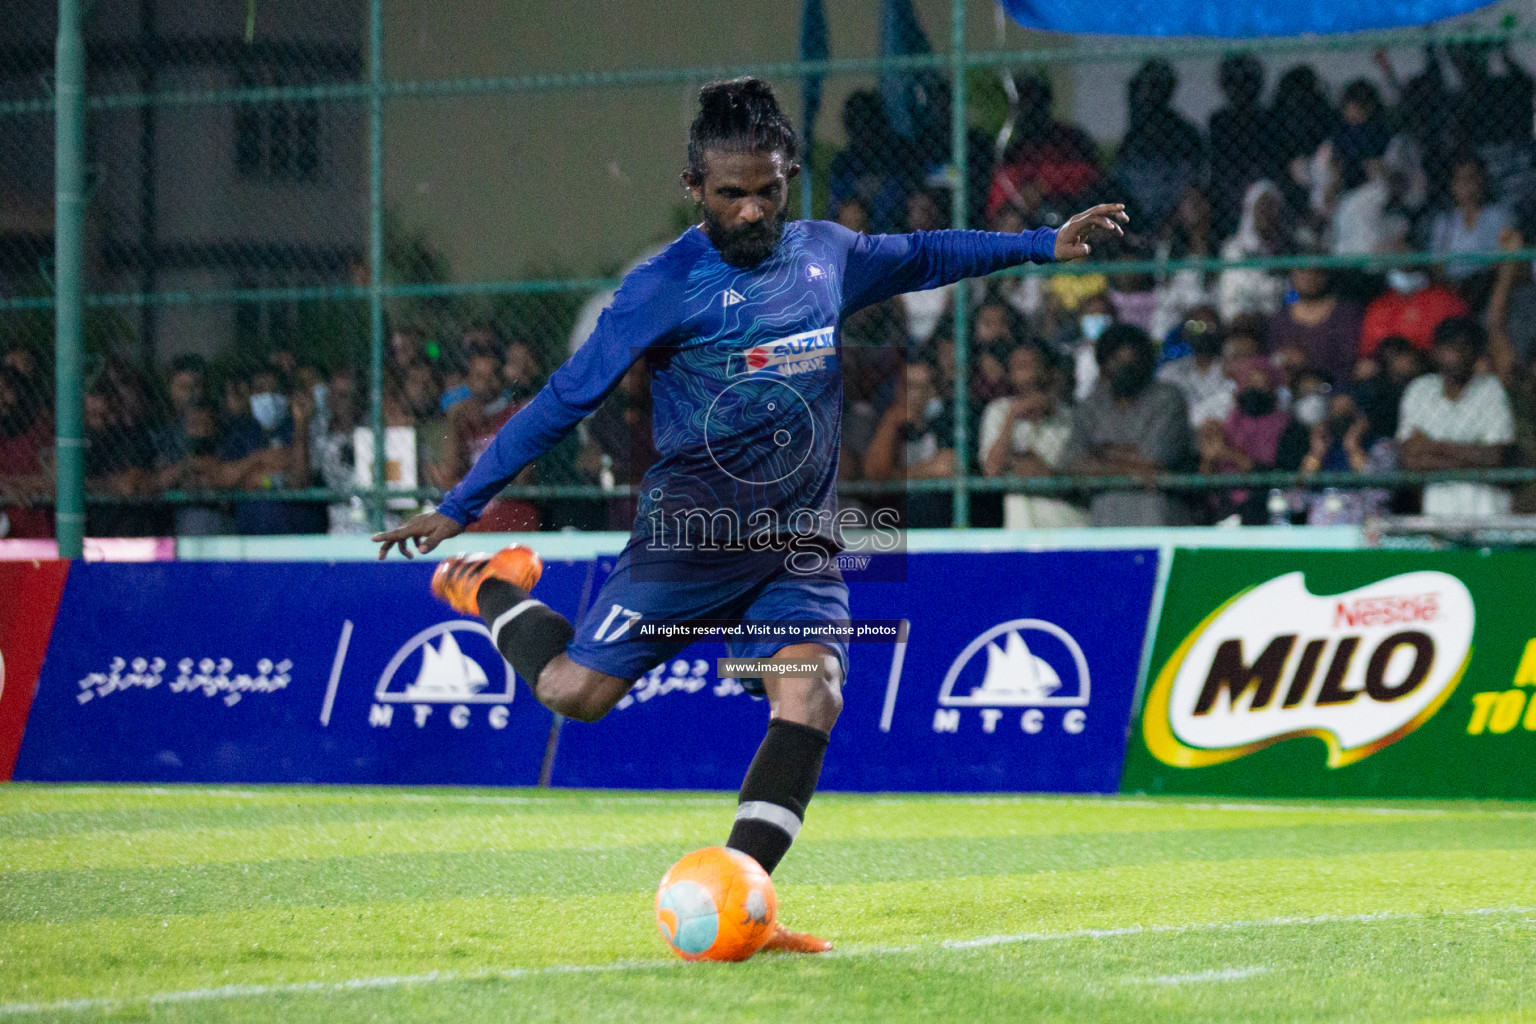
(310, 904)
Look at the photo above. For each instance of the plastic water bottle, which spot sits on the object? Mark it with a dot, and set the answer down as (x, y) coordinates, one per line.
(1279, 508)
(1333, 505)
(605, 474)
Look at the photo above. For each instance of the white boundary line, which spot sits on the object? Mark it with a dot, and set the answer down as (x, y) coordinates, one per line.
(195, 995)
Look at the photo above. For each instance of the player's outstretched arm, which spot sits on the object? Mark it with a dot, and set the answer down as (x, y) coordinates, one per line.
(1071, 237)
(428, 530)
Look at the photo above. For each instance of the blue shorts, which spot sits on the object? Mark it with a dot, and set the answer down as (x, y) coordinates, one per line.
(682, 587)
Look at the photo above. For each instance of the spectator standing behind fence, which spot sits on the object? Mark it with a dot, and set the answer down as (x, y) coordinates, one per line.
(1302, 118)
(864, 171)
(186, 459)
(1260, 232)
(1189, 235)
(119, 464)
(1258, 435)
(26, 440)
(1049, 167)
(1161, 154)
(472, 426)
(1493, 116)
(1457, 419)
(926, 211)
(1472, 224)
(1025, 434)
(1242, 137)
(267, 447)
(1345, 442)
(1132, 425)
(1412, 308)
(914, 441)
(617, 444)
(1319, 323)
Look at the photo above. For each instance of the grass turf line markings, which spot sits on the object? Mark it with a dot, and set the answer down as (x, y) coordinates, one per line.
(1225, 974)
(953, 945)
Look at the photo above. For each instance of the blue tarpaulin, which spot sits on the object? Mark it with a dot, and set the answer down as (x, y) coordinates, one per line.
(1229, 18)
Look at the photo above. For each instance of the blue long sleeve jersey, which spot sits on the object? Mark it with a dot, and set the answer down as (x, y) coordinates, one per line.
(746, 382)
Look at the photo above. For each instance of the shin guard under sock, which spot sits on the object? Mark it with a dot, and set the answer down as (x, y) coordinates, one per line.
(777, 789)
(525, 630)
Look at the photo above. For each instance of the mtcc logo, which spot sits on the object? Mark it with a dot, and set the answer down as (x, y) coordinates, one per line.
(1031, 664)
(452, 663)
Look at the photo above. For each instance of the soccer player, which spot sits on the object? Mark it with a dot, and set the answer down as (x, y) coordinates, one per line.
(738, 323)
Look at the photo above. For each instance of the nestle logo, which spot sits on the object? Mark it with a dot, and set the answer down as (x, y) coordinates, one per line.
(1387, 610)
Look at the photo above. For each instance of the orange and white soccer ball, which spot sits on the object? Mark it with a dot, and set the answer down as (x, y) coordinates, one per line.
(715, 904)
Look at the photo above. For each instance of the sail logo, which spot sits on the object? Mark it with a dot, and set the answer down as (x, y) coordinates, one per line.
(1358, 670)
(452, 663)
(1023, 663)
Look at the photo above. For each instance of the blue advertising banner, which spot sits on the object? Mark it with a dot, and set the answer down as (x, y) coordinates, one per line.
(281, 672)
(1018, 674)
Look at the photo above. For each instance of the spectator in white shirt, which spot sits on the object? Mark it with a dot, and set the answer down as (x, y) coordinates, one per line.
(1200, 374)
(1025, 434)
(1457, 419)
(1473, 225)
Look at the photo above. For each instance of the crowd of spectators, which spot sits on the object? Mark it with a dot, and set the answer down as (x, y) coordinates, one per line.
(277, 424)
(1241, 369)
(1125, 373)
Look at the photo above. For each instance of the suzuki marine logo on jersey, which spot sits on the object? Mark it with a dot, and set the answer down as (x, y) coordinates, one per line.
(787, 357)
(730, 297)
(1022, 663)
(1358, 670)
(450, 663)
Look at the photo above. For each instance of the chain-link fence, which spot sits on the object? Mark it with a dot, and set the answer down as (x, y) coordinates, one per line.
(323, 241)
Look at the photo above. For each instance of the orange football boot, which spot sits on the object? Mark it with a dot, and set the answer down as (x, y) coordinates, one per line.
(785, 941)
(457, 579)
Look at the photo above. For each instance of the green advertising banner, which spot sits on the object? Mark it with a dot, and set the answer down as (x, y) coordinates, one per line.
(1341, 673)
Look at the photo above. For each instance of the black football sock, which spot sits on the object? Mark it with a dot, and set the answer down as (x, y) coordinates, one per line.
(777, 788)
(524, 629)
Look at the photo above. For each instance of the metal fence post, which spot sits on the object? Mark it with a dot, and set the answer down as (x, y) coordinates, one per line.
(376, 256)
(957, 142)
(68, 294)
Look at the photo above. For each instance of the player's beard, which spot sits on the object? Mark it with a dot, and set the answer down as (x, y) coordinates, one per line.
(747, 245)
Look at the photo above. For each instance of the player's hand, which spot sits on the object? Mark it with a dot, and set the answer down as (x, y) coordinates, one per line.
(1071, 238)
(428, 530)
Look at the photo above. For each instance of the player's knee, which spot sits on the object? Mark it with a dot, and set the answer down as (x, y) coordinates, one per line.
(822, 700)
(563, 687)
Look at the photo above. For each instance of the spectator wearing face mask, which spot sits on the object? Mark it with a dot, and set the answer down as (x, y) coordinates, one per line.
(1077, 337)
(1457, 419)
(1344, 442)
(267, 447)
(1257, 435)
(1198, 374)
(1320, 323)
(1412, 309)
(187, 460)
(1131, 425)
(1310, 393)
(915, 441)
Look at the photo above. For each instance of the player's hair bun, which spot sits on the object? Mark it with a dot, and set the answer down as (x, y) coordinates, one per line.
(738, 115)
(731, 99)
